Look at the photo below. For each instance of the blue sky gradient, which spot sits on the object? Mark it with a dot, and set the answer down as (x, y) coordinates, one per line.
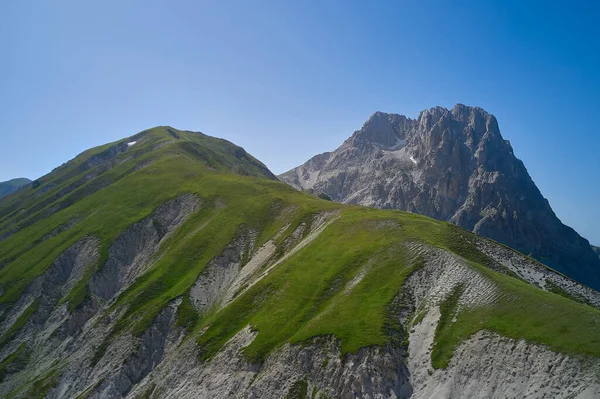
(287, 81)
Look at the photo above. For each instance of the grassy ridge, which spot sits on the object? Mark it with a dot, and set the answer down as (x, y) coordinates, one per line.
(108, 212)
(341, 284)
(306, 296)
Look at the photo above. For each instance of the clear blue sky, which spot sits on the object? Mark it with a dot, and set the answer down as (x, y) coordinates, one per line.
(287, 81)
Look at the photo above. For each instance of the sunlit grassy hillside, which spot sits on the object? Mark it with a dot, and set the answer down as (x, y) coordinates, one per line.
(104, 190)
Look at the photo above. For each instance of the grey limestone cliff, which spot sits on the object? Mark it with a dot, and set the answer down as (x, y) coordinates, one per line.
(453, 165)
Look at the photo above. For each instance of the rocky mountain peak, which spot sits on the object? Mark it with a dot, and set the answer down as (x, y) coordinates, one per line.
(467, 124)
(464, 112)
(427, 117)
(452, 165)
(471, 125)
(382, 130)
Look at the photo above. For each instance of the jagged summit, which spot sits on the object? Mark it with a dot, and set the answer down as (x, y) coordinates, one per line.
(453, 165)
(390, 130)
(384, 130)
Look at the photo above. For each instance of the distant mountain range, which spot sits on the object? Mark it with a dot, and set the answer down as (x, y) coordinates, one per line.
(13, 185)
(452, 165)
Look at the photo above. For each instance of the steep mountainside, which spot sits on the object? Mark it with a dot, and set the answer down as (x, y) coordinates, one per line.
(452, 165)
(596, 250)
(13, 185)
(174, 265)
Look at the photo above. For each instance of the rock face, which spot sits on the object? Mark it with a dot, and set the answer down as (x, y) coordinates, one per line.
(132, 251)
(13, 185)
(596, 250)
(455, 166)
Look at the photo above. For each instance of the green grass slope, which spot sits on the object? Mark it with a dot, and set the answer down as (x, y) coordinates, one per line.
(104, 190)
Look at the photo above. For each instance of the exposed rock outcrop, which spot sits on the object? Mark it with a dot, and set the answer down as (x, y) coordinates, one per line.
(317, 369)
(488, 365)
(45, 292)
(222, 271)
(149, 352)
(539, 275)
(129, 255)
